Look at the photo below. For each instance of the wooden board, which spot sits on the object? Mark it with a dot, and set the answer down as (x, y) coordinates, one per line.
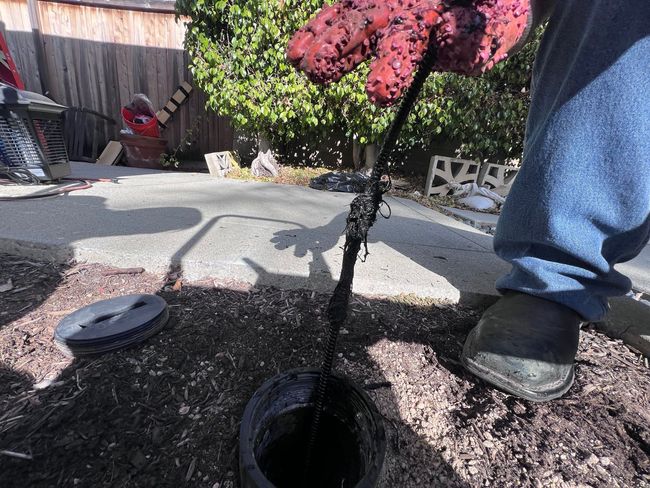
(159, 6)
(111, 154)
(16, 27)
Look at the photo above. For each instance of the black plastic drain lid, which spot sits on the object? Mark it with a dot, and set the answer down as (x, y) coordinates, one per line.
(112, 324)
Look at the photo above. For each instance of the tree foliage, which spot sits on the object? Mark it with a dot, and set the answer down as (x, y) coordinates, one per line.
(237, 57)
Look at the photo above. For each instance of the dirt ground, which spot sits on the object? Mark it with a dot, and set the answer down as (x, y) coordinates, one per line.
(166, 413)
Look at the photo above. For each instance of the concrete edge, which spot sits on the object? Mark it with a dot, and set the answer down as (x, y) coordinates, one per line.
(244, 272)
(629, 321)
(35, 250)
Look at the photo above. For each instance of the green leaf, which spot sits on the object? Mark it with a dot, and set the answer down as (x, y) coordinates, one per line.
(237, 57)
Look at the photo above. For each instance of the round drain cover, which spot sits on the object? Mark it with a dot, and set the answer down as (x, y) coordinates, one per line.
(112, 324)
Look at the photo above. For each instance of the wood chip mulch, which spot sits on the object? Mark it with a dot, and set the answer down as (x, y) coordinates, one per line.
(167, 412)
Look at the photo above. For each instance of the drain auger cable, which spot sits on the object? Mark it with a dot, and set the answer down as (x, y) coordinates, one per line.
(363, 214)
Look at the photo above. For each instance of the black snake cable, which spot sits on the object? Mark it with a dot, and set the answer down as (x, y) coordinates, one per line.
(363, 214)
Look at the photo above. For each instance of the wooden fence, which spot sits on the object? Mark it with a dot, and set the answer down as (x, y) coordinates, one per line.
(83, 55)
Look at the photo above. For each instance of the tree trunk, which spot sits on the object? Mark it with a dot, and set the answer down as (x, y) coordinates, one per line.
(372, 152)
(357, 155)
(364, 157)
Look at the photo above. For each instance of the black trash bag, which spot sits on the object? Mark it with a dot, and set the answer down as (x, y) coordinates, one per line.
(343, 182)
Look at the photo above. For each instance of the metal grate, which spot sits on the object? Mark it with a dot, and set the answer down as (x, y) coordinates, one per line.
(31, 143)
(17, 145)
(31, 134)
(50, 134)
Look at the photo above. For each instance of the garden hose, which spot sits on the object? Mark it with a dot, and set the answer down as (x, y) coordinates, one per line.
(363, 214)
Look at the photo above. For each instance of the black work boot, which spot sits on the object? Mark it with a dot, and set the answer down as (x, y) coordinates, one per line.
(526, 346)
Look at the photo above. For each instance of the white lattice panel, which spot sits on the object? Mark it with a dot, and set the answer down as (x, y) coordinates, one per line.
(444, 170)
(499, 176)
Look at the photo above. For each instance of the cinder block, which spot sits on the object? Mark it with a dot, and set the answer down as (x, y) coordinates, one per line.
(498, 176)
(444, 170)
(221, 163)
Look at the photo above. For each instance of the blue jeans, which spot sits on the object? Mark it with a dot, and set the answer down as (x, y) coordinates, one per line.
(581, 202)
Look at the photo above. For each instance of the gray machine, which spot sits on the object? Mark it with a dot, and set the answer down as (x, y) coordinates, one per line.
(31, 134)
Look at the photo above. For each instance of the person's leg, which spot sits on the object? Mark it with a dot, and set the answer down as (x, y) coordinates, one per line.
(581, 200)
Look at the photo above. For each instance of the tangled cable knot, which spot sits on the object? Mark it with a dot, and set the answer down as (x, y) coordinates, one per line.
(363, 212)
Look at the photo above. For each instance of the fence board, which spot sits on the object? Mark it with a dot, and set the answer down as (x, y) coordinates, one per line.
(99, 57)
(16, 28)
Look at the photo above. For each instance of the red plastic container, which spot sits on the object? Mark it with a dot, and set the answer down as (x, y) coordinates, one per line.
(150, 129)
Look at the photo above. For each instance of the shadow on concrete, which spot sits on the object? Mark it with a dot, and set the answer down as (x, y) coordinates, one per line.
(432, 255)
(82, 209)
(85, 209)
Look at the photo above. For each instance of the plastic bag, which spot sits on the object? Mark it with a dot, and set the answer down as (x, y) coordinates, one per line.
(141, 105)
(343, 182)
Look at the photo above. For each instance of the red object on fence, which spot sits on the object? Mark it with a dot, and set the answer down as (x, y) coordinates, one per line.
(149, 129)
(8, 72)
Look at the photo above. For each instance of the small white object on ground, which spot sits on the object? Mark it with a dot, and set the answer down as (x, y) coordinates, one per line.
(17, 455)
(473, 196)
(478, 202)
(265, 164)
(47, 383)
(220, 163)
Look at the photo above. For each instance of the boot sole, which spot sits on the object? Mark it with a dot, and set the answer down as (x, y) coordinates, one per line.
(504, 383)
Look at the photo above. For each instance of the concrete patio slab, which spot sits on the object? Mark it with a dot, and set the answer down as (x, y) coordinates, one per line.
(255, 232)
